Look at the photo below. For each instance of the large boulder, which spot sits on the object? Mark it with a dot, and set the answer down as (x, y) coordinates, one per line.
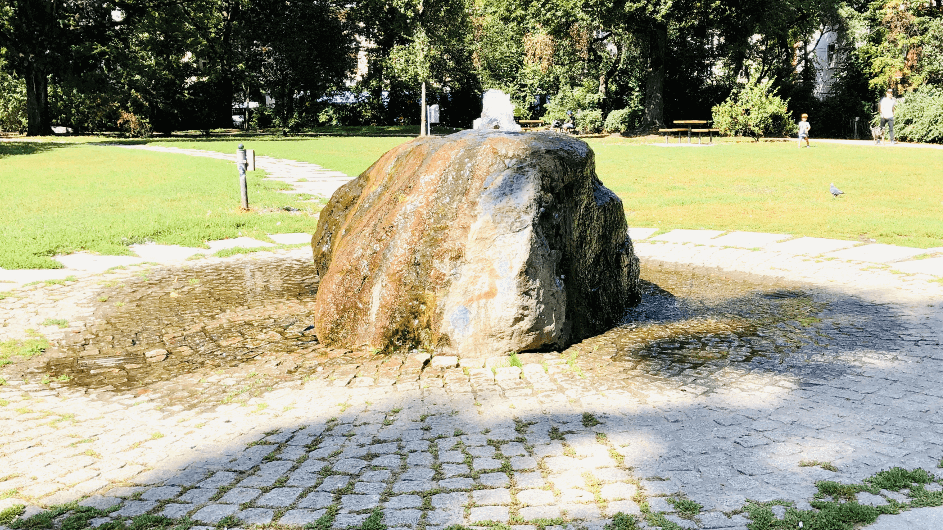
(474, 244)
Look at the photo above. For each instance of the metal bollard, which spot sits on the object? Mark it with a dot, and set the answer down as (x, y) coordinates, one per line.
(241, 163)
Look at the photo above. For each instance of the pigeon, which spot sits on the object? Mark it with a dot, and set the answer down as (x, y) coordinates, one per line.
(835, 191)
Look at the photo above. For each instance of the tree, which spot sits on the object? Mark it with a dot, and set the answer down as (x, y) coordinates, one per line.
(43, 38)
(435, 51)
(298, 50)
(898, 40)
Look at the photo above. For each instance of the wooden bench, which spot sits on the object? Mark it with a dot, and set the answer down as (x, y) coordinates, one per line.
(666, 132)
(531, 124)
(710, 134)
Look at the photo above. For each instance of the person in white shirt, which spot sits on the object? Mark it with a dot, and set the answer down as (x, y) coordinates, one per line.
(804, 130)
(886, 108)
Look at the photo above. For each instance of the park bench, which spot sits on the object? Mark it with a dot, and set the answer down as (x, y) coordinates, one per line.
(667, 132)
(710, 134)
(531, 124)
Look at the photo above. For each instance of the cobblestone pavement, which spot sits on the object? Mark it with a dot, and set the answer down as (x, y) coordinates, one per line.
(605, 426)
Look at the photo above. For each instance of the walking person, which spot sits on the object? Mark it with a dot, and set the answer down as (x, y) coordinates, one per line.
(804, 130)
(886, 108)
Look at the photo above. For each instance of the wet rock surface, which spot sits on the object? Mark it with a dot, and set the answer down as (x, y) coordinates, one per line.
(721, 388)
(474, 244)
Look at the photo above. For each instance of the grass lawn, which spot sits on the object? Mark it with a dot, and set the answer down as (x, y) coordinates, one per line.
(892, 195)
(59, 198)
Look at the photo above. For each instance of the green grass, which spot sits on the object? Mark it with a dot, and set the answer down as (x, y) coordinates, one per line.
(621, 521)
(64, 197)
(828, 466)
(227, 252)
(892, 195)
(9, 514)
(835, 506)
(12, 349)
(60, 198)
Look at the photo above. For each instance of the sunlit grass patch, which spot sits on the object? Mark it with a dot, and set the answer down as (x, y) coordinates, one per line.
(22, 349)
(72, 197)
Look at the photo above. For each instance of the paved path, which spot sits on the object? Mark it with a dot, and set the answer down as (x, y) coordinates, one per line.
(304, 177)
(571, 436)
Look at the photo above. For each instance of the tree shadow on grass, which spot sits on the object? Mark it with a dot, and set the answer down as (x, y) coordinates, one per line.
(8, 149)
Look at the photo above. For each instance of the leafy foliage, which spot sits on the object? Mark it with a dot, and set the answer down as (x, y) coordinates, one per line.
(583, 97)
(898, 478)
(919, 117)
(12, 101)
(623, 120)
(930, 65)
(754, 111)
(589, 121)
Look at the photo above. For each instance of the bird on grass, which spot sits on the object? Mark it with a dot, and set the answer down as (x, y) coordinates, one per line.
(835, 191)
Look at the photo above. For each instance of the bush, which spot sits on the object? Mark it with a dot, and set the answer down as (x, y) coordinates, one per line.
(919, 117)
(262, 117)
(87, 111)
(133, 125)
(589, 121)
(575, 99)
(12, 103)
(756, 111)
(622, 120)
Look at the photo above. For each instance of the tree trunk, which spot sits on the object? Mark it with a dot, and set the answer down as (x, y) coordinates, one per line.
(37, 103)
(655, 80)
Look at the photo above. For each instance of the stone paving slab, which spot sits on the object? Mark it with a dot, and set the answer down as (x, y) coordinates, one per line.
(84, 261)
(918, 519)
(291, 239)
(748, 239)
(237, 242)
(166, 253)
(638, 234)
(929, 266)
(17, 277)
(877, 253)
(810, 246)
(702, 237)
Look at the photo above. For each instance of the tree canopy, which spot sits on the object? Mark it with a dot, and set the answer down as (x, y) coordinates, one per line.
(162, 65)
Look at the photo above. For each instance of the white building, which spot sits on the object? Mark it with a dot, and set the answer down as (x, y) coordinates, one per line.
(825, 61)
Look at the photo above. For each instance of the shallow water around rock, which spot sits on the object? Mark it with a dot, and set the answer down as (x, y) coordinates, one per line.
(205, 317)
(236, 328)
